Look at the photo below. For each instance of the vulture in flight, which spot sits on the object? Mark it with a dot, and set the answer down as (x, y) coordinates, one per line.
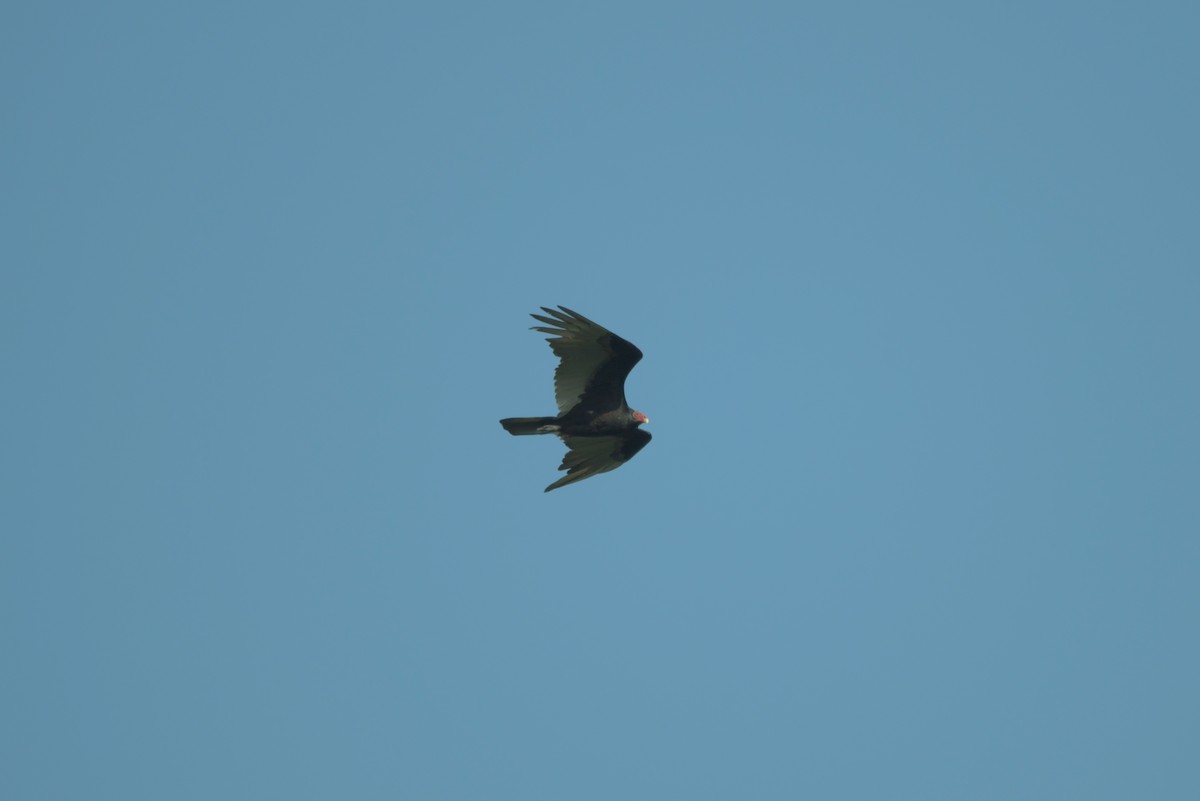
(594, 421)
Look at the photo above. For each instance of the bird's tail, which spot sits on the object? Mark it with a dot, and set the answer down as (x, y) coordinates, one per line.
(530, 425)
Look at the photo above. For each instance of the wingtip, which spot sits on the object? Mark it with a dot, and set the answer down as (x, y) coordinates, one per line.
(562, 313)
(579, 317)
(562, 482)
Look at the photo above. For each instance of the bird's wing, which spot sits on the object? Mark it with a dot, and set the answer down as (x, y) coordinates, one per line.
(593, 361)
(587, 456)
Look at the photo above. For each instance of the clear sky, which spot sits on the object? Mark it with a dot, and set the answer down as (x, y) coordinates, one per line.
(917, 286)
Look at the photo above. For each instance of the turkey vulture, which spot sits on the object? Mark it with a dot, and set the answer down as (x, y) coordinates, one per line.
(594, 421)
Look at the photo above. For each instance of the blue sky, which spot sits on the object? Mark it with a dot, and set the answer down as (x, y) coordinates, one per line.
(917, 287)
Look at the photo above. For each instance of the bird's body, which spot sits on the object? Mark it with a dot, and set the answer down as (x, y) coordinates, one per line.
(599, 429)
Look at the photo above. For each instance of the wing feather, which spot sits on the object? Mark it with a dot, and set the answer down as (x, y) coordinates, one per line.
(593, 361)
(590, 456)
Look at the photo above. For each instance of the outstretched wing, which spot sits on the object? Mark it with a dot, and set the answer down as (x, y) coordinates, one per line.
(588, 456)
(593, 361)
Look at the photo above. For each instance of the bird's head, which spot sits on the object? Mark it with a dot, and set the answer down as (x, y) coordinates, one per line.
(640, 418)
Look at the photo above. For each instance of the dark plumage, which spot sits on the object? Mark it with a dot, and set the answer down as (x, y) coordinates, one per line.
(594, 421)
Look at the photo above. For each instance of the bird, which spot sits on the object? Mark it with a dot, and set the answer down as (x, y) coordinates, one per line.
(594, 421)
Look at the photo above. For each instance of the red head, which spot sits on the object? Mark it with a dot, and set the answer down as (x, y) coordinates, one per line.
(640, 418)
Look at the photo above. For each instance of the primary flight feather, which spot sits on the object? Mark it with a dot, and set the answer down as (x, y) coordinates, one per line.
(599, 429)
